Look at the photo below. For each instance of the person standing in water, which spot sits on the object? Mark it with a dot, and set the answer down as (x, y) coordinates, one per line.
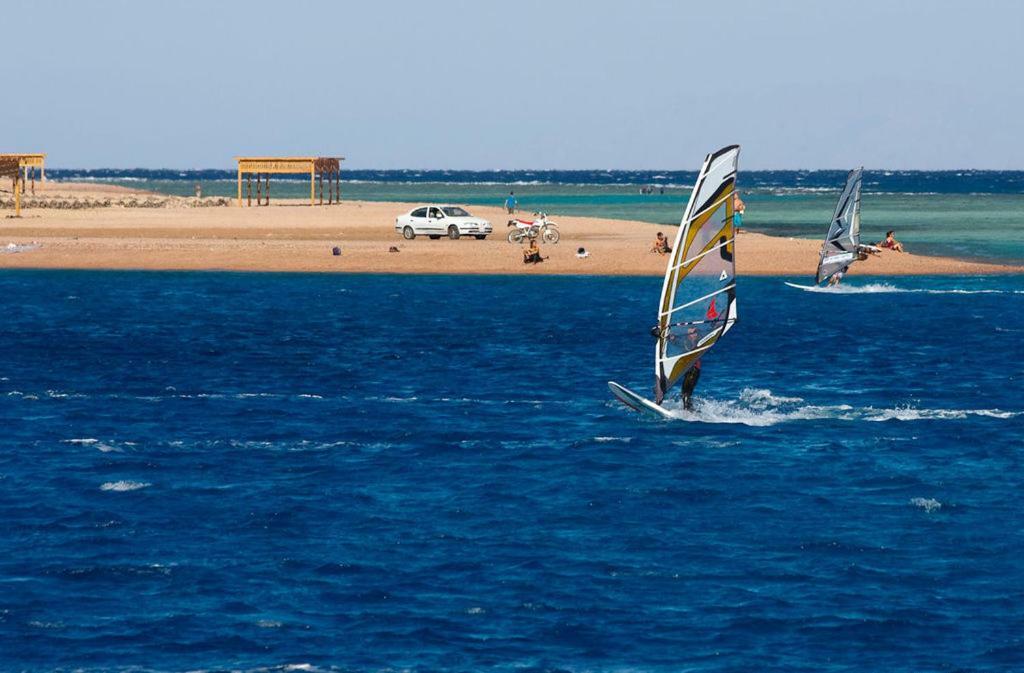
(738, 208)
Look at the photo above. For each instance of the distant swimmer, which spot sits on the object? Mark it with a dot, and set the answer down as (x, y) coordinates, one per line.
(738, 208)
(661, 245)
(511, 203)
(891, 242)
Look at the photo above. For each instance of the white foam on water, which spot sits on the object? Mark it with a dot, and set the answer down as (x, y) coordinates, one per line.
(624, 440)
(927, 504)
(123, 486)
(914, 414)
(886, 288)
(760, 407)
(100, 445)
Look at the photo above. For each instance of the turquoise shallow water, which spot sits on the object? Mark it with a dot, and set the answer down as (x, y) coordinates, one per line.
(973, 225)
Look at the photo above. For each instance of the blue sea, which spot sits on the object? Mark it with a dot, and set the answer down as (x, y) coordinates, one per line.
(972, 214)
(213, 472)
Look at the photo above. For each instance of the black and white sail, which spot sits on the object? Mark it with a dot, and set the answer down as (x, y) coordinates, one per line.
(840, 247)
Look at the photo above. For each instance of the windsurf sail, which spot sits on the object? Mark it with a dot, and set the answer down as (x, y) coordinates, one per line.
(698, 297)
(840, 247)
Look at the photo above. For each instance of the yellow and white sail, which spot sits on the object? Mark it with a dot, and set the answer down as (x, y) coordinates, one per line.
(698, 298)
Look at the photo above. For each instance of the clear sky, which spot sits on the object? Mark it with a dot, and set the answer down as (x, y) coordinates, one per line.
(516, 84)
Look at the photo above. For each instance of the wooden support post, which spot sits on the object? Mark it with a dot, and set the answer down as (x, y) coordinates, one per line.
(259, 189)
(320, 177)
(239, 185)
(268, 188)
(17, 198)
(312, 184)
(33, 172)
(249, 187)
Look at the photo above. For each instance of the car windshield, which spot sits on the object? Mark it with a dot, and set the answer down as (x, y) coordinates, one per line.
(454, 211)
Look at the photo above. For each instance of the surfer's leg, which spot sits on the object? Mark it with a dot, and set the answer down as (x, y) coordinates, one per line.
(689, 384)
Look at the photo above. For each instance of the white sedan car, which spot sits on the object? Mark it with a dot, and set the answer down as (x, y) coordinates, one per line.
(438, 221)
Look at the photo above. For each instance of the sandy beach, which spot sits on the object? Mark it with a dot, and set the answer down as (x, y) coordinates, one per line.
(141, 230)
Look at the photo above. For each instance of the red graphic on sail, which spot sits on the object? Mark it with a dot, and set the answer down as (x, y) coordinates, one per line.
(712, 314)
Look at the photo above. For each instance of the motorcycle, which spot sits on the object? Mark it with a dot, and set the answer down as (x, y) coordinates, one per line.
(540, 226)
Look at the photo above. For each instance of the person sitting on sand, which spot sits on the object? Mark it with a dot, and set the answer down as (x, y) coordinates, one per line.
(531, 254)
(891, 242)
(582, 253)
(661, 245)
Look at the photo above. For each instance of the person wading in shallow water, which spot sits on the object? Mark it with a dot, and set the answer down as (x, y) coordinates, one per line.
(738, 208)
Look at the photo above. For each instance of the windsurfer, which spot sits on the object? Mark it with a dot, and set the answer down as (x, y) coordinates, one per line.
(837, 277)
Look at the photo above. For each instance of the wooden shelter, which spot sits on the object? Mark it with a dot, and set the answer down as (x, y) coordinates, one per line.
(10, 167)
(29, 163)
(316, 167)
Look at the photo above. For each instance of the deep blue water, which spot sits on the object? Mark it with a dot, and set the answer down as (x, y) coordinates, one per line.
(884, 181)
(368, 473)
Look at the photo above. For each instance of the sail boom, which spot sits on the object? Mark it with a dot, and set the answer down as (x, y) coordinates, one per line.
(709, 250)
(699, 300)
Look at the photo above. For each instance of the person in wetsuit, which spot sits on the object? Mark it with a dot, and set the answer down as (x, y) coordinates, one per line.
(692, 376)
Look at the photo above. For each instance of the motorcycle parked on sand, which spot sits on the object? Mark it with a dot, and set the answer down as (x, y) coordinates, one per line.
(529, 230)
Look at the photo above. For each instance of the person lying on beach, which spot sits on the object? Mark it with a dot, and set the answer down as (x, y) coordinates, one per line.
(891, 242)
(661, 245)
(531, 255)
(581, 253)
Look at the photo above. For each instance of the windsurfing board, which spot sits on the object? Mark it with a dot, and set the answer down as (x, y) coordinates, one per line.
(636, 402)
(807, 288)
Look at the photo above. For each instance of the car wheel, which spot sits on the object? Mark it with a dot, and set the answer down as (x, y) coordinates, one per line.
(453, 232)
(481, 237)
(434, 237)
(408, 233)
